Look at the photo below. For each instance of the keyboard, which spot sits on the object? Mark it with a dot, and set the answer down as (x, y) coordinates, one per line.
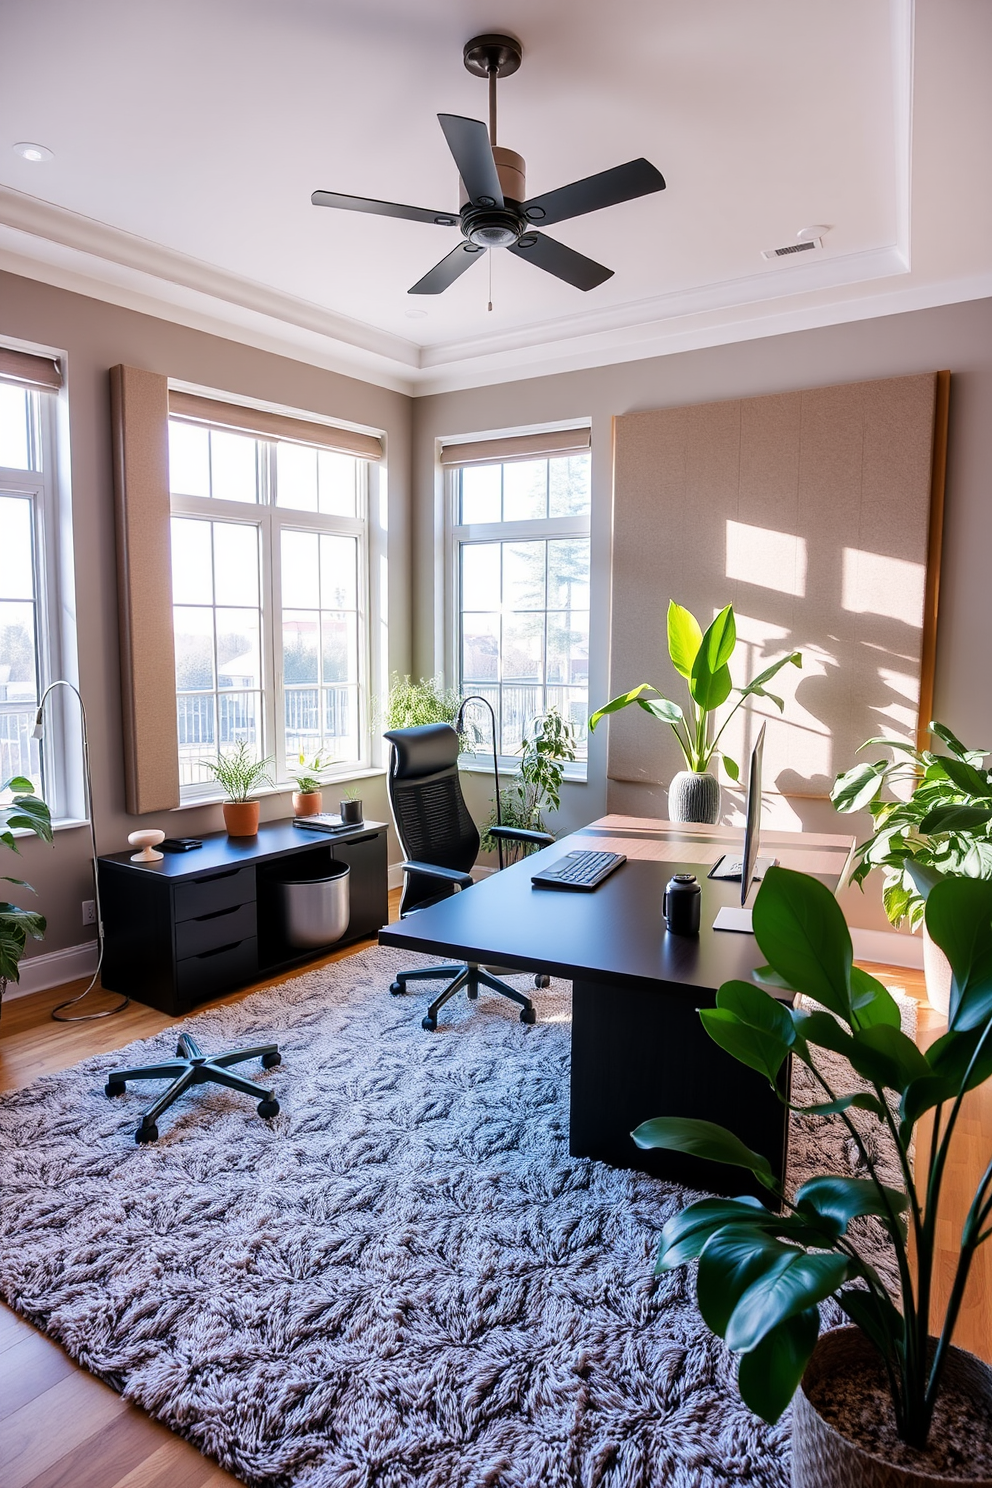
(579, 871)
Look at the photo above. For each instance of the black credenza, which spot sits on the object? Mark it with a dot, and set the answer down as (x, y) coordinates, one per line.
(196, 924)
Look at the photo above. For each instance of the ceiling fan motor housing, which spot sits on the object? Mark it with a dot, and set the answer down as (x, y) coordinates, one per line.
(492, 226)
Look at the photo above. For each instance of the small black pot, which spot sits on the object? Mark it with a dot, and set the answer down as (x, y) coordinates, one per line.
(351, 812)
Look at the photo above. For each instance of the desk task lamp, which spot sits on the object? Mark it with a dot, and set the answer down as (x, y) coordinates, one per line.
(39, 733)
(459, 721)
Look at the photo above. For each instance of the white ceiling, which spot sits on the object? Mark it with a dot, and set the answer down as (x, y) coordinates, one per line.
(187, 138)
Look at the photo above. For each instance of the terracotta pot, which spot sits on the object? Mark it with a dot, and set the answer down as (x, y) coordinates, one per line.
(694, 796)
(241, 818)
(307, 803)
(937, 971)
(823, 1458)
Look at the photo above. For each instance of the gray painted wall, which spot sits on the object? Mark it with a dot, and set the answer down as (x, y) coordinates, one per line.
(958, 337)
(97, 336)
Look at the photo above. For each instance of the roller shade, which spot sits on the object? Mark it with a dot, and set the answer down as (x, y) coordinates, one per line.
(266, 425)
(517, 447)
(26, 370)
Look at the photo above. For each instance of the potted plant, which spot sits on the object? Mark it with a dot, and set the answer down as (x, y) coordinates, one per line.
(865, 1411)
(703, 659)
(238, 774)
(26, 812)
(537, 785)
(410, 704)
(943, 826)
(350, 807)
(307, 797)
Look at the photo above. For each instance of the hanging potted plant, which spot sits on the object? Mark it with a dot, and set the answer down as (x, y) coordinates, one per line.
(308, 799)
(883, 1403)
(703, 659)
(238, 774)
(943, 827)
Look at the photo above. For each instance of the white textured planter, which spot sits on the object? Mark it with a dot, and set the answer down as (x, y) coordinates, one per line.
(694, 796)
(937, 971)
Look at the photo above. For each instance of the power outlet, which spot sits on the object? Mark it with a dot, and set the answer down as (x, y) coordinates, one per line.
(89, 911)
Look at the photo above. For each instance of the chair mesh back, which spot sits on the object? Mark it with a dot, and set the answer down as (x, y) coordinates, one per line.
(433, 825)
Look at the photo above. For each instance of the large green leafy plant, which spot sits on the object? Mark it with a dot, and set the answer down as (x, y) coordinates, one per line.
(411, 704)
(763, 1272)
(703, 659)
(537, 787)
(26, 812)
(944, 827)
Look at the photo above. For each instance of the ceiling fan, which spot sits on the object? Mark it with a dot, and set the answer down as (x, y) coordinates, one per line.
(495, 212)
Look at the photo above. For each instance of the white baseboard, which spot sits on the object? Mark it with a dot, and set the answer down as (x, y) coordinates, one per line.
(886, 945)
(53, 968)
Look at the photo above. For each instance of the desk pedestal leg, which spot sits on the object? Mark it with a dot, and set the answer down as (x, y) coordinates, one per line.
(639, 1053)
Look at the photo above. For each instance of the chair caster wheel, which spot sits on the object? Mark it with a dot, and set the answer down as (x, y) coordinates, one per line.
(429, 1023)
(269, 1061)
(114, 1087)
(147, 1132)
(541, 979)
(396, 988)
(268, 1108)
(528, 1015)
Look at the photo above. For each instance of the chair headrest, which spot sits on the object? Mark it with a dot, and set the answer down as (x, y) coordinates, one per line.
(423, 750)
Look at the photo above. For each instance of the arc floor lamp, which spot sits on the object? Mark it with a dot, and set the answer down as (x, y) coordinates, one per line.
(38, 732)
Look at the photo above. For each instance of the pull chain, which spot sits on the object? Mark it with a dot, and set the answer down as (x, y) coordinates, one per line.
(489, 255)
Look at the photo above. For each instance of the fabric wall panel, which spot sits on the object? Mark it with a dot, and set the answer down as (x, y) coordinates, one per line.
(810, 511)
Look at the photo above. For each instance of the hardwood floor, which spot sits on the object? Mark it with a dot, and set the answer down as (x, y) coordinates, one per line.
(61, 1428)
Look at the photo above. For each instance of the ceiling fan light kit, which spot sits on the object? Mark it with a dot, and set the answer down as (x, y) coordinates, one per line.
(494, 210)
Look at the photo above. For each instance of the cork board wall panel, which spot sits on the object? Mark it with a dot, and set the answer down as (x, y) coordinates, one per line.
(811, 513)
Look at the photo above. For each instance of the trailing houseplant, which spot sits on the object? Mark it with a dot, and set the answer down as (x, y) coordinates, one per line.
(943, 826)
(763, 1269)
(238, 774)
(536, 787)
(702, 658)
(26, 812)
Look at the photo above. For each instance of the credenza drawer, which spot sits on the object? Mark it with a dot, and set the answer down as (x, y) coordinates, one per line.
(221, 928)
(202, 896)
(211, 972)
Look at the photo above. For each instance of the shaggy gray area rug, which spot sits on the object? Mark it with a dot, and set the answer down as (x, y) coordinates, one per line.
(402, 1281)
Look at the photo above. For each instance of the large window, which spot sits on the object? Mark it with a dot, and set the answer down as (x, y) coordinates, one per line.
(269, 566)
(29, 611)
(521, 581)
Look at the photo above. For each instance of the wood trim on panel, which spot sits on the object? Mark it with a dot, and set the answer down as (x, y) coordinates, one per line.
(140, 422)
(27, 370)
(517, 447)
(935, 543)
(267, 425)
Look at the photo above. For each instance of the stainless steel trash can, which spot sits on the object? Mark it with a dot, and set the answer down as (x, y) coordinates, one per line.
(315, 911)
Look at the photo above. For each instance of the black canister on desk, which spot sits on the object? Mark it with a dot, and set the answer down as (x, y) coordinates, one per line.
(681, 904)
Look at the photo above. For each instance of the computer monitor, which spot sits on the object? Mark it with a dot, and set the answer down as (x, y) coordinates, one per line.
(752, 827)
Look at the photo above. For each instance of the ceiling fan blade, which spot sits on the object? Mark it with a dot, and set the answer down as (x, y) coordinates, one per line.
(383, 209)
(564, 263)
(468, 141)
(622, 183)
(448, 270)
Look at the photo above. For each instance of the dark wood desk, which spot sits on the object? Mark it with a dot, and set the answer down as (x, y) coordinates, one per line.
(638, 1047)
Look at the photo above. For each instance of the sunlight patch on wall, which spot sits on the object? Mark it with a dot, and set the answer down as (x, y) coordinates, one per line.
(770, 559)
(874, 584)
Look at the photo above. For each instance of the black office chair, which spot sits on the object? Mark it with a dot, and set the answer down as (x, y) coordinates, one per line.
(440, 842)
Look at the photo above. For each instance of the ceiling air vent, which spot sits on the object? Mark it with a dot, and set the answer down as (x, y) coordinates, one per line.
(791, 248)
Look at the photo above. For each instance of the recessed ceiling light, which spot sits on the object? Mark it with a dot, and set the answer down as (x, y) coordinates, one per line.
(818, 230)
(416, 314)
(33, 152)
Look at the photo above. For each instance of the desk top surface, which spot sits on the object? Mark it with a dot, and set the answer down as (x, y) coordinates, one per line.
(616, 932)
(219, 851)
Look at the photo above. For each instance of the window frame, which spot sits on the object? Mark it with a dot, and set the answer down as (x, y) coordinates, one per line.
(528, 529)
(271, 520)
(45, 488)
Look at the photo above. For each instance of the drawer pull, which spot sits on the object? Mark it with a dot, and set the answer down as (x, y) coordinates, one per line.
(232, 946)
(215, 877)
(354, 841)
(218, 914)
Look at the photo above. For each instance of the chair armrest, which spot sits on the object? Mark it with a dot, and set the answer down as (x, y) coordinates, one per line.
(519, 834)
(446, 875)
